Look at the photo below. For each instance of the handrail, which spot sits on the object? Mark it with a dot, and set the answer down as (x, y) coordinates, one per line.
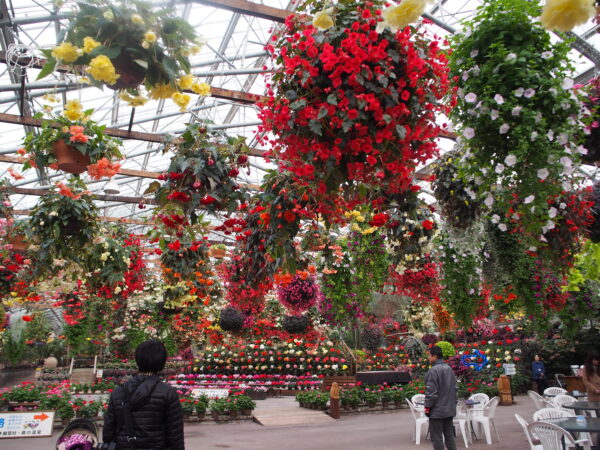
(71, 368)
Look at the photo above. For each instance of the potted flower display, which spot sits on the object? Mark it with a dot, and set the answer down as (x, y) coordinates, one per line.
(218, 251)
(128, 44)
(353, 97)
(62, 223)
(72, 143)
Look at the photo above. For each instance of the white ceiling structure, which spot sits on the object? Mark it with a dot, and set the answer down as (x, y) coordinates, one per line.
(232, 59)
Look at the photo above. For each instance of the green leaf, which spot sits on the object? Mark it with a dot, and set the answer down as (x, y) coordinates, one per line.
(154, 186)
(47, 69)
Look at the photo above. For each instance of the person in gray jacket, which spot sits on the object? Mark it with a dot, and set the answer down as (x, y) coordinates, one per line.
(440, 400)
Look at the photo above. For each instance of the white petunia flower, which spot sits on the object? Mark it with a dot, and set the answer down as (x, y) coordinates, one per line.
(529, 93)
(529, 199)
(489, 201)
(474, 53)
(534, 135)
(566, 161)
(504, 128)
(502, 227)
(568, 83)
(499, 168)
(562, 139)
(542, 174)
(519, 92)
(547, 55)
(510, 160)
(471, 97)
(550, 135)
(499, 99)
(495, 218)
(516, 110)
(494, 114)
(469, 133)
(511, 57)
(552, 212)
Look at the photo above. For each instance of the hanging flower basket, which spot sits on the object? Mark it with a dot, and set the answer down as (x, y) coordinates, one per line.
(217, 252)
(131, 75)
(69, 159)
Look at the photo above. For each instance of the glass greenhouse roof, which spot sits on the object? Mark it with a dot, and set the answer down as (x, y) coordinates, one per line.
(232, 59)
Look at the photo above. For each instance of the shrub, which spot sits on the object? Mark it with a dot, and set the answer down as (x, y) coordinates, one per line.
(295, 324)
(231, 319)
(448, 350)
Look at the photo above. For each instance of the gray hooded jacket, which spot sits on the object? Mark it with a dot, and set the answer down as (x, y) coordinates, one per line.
(440, 390)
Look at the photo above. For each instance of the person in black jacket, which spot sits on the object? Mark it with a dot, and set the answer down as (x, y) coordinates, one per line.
(156, 419)
(440, 400)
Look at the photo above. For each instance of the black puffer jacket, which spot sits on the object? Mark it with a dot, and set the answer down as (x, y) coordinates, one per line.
(156, 412)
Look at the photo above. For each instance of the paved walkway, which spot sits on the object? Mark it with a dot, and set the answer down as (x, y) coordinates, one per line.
(375, 431)
(281, 412)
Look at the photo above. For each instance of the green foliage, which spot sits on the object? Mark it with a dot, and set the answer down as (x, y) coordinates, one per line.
(448, 349)
(106, 261)
(13, 349)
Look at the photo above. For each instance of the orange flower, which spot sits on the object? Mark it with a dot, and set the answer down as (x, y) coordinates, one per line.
(76, 129)
(103, 168)
(53, 166)
(15, 175)
(79, 137)
(312, 269)
(22, 152)
(67, 192)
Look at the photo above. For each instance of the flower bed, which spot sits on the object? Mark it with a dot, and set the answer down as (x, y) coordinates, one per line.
(242, 381)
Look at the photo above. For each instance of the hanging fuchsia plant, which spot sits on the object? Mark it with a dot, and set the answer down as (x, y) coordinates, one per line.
(299, 294)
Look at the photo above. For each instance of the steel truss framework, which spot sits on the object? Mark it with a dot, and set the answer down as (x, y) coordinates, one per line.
(232, 63)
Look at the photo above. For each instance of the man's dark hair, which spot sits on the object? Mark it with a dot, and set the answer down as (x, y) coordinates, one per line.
(151, 356)
(436, 351)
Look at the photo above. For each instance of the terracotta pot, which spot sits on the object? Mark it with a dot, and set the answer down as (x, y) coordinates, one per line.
(234, 414)
(246, 412)
(131, 74)
(69, 159)
(217, 252)
(18, 243)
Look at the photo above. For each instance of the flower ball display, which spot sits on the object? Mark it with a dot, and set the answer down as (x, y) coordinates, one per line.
(354, 97)
(299, 294)
(231, 319)
(295, 324)
(371, 337)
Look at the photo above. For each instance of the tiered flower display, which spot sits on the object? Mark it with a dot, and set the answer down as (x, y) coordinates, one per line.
(352, 102)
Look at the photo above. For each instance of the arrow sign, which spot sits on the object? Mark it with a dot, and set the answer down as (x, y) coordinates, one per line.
(41, 417)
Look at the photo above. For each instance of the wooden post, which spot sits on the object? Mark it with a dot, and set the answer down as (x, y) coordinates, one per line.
(504, 389)
(334, 401)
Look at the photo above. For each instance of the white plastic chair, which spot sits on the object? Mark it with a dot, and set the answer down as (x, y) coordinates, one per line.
(561, 399)
(483, 399)
(553, 437)
(462, 420)
(419, 422)
(539, 401)
(555, 391)
(524, 424)
(418, 402)
(550, 414)
(486, 419)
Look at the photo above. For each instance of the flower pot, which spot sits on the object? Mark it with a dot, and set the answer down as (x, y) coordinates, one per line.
(217, 252)
(234, 414)
(371, 404)
(23, 406)
(398, 404)
(18, 243)
(384, 404)
(69, 159)
(246, 412)
(215, 416)
(131, 74)
(347, 408)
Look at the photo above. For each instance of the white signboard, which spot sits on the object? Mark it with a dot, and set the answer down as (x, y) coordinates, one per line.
(211, 393)
(26, 424)
(509, 369)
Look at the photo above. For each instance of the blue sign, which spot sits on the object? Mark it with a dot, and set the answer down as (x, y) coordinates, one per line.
(476, 359)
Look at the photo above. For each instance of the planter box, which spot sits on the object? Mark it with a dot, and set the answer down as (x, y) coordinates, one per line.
(26, 406)
(258, 395)
(343, 381)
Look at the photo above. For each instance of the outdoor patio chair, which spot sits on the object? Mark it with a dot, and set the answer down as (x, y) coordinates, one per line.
(462, 420)
(418, 401)
(561, 399)
(483, 399)
(486, 419)
(539, 401)
(550, 413)
(555, 391)
(561, 380)
(553, 437)
(419, 422)
(530, 438)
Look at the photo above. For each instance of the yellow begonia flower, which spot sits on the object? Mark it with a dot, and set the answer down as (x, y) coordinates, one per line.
(360, 218)
(137, 19)
(150, 36)
(139, 100)
(186, 81)
(74, 104)
(102, 69)
(194, 49)
(89, 44)
(85, 80)
(73, 114)
(162, 91)
(322, 20)
(399, 16)
(108, 15)
(202, 89)
(51, 98)
(564, 15)
(181, 100)
(355, 227)
(66, 52)
(369, 230)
